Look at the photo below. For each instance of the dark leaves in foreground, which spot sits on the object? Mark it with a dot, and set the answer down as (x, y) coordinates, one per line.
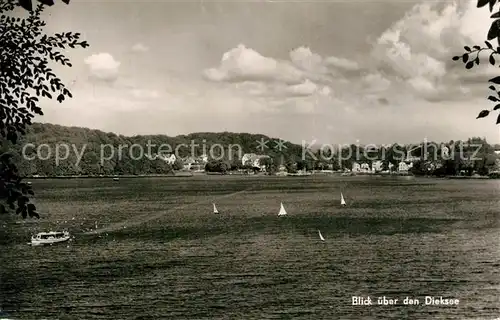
(493, 33)
(28, 5)
(483, 114)
(13, 191)
(25, 76)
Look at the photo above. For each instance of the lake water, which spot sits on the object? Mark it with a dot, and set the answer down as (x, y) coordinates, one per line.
(160, 253)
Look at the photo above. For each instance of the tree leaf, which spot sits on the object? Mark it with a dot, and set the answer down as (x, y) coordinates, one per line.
(492, 88)
(492, 3)
(489, 45)
(31, 207)
(498, 119)
(482, 3)
(493, 32)
(26, 4)
(469, 65)
(492, 60)
(495, 15)
(455, 58)
(483, 114)
(492, 98)
(467, 48)
(496, 107)
(476, 47)
(465, 57)
(495, 80)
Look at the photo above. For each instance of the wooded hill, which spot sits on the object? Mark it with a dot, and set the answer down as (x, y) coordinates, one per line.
(80, 153)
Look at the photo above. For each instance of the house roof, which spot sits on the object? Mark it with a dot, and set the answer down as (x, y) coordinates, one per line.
(253, 156)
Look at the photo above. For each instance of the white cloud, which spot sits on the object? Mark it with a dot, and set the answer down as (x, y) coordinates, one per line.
(423, 86)
(139, 47)
(325, 91)
(304, 75)
(306, 60)
(103, 66)
(411, 60)
(306, 88)
(342, 63)
(375, 82)
(245, 64)
(418, 48)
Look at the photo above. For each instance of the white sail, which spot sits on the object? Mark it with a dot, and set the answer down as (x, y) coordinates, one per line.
(321, 236)
(282, 210)
(215, 209)
(342, 201)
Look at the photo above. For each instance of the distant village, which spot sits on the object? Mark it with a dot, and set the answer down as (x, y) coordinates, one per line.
(387, 159)
(252, 163)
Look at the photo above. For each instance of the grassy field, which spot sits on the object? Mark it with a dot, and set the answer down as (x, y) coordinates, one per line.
(159, 251)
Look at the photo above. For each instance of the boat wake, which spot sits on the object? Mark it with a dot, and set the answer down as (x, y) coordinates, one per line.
(148, 217)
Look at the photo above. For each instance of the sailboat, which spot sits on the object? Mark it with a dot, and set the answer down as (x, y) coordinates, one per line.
(282, 211)
(215, 209)
(321, 236)
(342, 201)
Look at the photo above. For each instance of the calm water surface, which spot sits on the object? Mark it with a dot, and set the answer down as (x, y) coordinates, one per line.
(160, 253)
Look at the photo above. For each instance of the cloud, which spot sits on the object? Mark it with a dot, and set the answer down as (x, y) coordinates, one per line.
(306, 88)
(305, 74)
(411, 60)
(417, 49)
(139, 47)
(245, 64)
(385, 90)
(342, 63)
(375, 83)
(103, 67)
(306, 60)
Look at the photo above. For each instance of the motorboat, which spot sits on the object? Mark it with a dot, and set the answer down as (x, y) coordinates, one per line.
(49, 237)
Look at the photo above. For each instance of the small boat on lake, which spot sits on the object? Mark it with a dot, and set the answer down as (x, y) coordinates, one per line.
(321, 236)
(116, 179)
(342, 201)
(282, 211)
(49, 237)
(215, 209)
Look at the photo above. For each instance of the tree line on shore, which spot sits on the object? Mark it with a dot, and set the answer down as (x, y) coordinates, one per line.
(84, 156)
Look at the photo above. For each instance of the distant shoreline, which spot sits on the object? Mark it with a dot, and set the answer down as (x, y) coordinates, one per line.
(183, 174)
(174, 175)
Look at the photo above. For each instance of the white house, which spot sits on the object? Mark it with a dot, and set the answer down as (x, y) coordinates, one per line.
(377, 166)
(356, 167)
(365, 167)
(248, 157)
(168, 158)
(411, 158)
(403, 167)
(253, 159)
(188, 162)
(203, 158)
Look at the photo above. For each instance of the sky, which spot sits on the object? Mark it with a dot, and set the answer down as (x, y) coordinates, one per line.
(331, 71)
